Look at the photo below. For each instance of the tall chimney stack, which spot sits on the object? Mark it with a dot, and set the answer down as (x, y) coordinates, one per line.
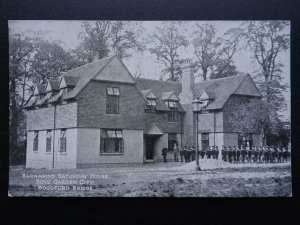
(188, 80)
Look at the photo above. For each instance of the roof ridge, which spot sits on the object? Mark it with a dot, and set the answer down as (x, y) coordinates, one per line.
(176, 82)
(222, 78)
(63, 74)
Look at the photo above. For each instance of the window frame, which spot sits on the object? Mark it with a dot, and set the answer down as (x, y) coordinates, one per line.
(63, 141)
(173, 115)
(48, 141)
(36, 141)
(109, 135)
(112, 100)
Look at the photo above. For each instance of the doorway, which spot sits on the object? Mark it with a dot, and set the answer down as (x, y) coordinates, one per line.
(150, 147)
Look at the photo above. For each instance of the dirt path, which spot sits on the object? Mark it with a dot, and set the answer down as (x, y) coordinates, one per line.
(172, 181)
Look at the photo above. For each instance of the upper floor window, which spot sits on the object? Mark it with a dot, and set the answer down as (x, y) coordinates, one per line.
(48, 141)
(173, 113)
(150, 105)
(112, 100)
(111, 141)
(172, 104)
(35, 141)
(63, 141)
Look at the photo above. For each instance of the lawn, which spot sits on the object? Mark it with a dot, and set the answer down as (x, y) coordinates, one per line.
(216, 179)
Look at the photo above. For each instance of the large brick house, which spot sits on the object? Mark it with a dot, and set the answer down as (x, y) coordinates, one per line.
(98, 113)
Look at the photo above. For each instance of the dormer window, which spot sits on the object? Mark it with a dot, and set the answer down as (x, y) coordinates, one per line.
(172, 104)
(150, 105)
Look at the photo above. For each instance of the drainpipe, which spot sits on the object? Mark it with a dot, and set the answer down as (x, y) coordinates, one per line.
(197, 143)
(214, 129)
(181, 122)
(54, 126)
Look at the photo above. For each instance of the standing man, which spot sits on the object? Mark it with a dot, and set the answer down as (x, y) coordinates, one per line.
(217, 152)
(181, 152)
(188, 154)
(164, 153)
(176, 151)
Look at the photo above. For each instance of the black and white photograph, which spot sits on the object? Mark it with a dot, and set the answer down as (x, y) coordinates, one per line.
(127, 108)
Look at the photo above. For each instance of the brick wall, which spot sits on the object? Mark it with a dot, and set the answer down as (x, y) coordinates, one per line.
(92, 107)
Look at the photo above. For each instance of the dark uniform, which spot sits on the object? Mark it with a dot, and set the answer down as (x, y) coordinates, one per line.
(193, 153)
(234, 150)
(224, 153)
(202, 153)
(181, 152)
(243, 152)
(238, 154)
(229, 154)
(188, 154)
(164, 153)
(217, 152)
(209, 152)
(249, 153)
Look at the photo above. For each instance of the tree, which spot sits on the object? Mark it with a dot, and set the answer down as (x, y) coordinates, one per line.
(95, 36)
(99, 38)
(214, 54)
(125, 37)
(266, 40)
(167, 41)
(20, 51)
(50, 61)
(255, 116)
(31, 60)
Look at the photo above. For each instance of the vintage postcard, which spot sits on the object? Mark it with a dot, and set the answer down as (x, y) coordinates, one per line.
(149, 108)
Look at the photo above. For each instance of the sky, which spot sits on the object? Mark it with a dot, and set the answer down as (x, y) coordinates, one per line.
(67, 32)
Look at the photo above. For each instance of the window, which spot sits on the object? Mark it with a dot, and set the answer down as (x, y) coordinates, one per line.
(112, 100)
(111, 141)
(172, 104)
(173, 115)
(150, 105)
(63, 141)
(48, 141)
(35, 141)
(172, 139)
(204, 140)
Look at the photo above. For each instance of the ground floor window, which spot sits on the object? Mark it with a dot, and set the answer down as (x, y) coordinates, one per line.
(172, 140)
(48, 141)
(245, 140)
(204, 140)
(63, 141)
(35, 141)
(111, 141)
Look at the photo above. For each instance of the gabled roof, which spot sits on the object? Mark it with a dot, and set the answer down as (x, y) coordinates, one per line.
(159, 87)
(154, 129)
(148, 94)
(84, 74)
(69, 81)
(39, 89)
(221, 89)
(52, 85)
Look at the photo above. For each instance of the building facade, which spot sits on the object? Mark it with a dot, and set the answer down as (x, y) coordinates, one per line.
(98, 113)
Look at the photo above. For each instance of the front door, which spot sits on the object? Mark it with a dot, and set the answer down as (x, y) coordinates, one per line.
(150, 145)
